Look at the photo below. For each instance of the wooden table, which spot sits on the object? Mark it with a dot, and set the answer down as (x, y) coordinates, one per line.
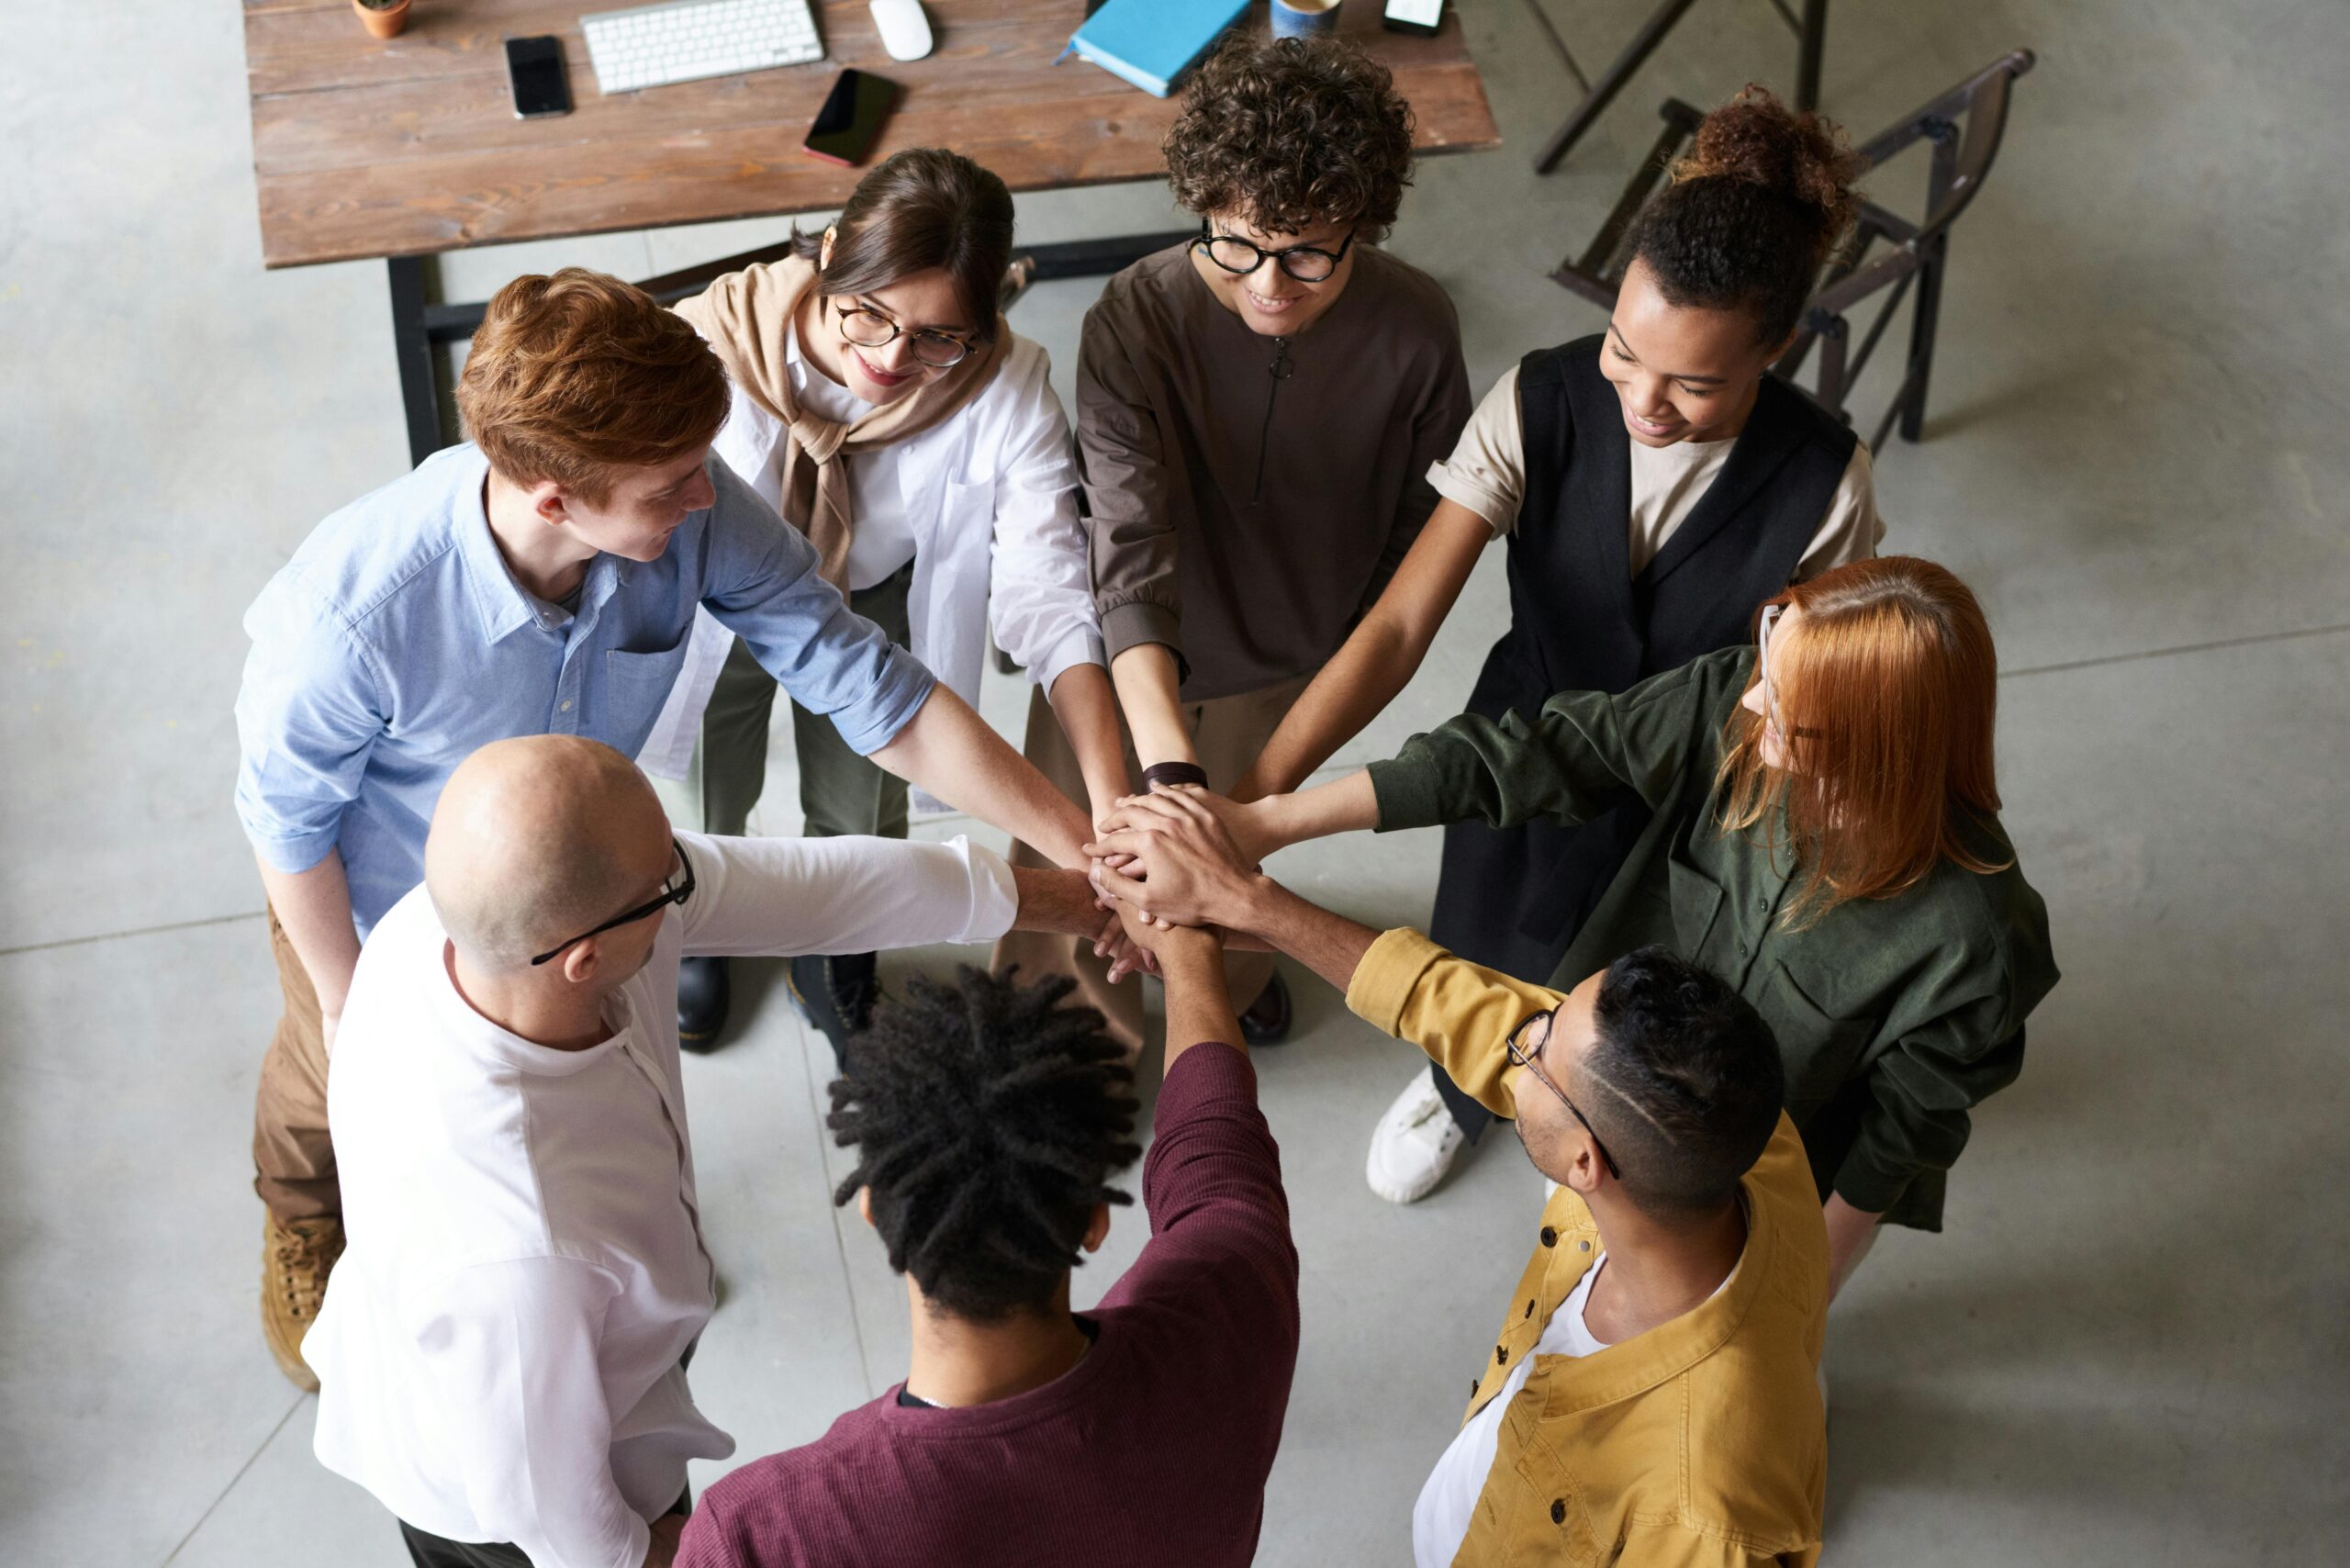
(408, 148)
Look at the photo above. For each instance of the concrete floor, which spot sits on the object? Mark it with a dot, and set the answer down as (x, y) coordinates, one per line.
(2130, 1347)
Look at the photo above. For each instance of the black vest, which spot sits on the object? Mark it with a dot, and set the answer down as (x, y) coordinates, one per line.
(1581, 622)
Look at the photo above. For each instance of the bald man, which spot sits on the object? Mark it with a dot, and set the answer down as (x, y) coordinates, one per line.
(500, 1355)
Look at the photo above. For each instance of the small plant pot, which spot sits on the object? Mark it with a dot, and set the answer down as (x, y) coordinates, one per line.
(382, 21)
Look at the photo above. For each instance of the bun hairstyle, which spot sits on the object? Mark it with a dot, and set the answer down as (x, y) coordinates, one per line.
(920, 209)
(1761, 203)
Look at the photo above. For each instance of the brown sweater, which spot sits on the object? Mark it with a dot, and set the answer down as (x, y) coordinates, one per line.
(1250, 495)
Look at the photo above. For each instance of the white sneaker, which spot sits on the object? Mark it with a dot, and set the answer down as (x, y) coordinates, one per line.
(1415, 1143)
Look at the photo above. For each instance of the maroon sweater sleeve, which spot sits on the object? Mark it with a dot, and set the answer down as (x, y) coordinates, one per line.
(1220, 1248)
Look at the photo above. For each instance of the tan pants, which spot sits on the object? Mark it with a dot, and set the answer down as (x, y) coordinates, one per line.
(1228, 732)
(293, 1157)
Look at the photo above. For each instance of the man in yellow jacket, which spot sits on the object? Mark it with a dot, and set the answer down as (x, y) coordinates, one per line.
(1651, 1395)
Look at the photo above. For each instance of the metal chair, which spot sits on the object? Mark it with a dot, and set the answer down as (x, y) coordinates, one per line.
(1886, 255)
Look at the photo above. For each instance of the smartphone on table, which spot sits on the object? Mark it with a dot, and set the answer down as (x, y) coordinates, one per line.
(1421, 19)
(851, 118)
(534, 66)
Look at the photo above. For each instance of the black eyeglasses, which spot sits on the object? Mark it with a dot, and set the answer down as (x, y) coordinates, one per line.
(677, 891)
(1527, 1061)
(869, 329)
(1307, 263)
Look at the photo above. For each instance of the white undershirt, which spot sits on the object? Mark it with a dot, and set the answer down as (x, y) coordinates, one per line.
(1449, 1498)
(883, 539)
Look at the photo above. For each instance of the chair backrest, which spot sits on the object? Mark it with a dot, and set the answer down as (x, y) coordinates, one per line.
(1965, 125)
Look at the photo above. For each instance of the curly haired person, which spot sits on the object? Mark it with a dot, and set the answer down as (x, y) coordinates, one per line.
(987, 1122)
(1258, 411)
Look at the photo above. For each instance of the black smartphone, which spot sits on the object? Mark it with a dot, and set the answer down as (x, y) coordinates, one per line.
(1418, 18)
(851, 118)
(535, 68)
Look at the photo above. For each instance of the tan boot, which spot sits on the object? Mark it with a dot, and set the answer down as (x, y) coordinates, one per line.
(295, 1257)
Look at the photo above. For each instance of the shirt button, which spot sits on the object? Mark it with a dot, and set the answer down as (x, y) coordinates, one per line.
(1558, 1510)
(566, 705)
(1550, 1237)
(1529, 1309)
(1583, 1246)
(1501, 1357)
(1474, 1384)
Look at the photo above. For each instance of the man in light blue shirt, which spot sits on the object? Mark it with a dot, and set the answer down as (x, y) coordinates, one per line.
(543, 580)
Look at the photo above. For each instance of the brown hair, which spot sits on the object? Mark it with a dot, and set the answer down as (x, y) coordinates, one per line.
(1292, 133)
(1762, 201)
(1888, 693)
(920, 209)
(577, 376)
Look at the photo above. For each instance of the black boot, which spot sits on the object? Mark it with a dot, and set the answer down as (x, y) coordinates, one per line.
(702, 996)
(836, 993)
(1268, 1019)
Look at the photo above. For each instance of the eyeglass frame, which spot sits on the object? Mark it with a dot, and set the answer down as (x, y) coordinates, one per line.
(1532, 1065)
(897, 331)
(669, 895)
(1208, 238)
(1769, 617)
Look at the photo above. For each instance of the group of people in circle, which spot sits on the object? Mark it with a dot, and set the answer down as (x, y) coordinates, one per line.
(1727, 927)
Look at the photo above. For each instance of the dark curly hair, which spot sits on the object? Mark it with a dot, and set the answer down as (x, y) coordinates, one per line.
(1759, 205)
(1691, 1083)
(1292, 133)
(987, 1121)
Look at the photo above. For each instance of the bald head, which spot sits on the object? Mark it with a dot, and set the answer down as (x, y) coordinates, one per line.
(538, 839)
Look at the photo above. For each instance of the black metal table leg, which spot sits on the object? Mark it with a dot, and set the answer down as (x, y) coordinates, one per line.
(412, 347)
(1811, 39)
(1611, 82)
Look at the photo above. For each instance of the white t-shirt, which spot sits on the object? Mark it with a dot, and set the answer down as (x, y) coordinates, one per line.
(1449, 1498)
(497, 1354)
(1486, 473)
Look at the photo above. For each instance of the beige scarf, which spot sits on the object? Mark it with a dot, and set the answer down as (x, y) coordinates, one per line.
(747, 318)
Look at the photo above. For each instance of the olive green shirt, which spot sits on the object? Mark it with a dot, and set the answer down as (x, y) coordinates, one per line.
(1894, 1016)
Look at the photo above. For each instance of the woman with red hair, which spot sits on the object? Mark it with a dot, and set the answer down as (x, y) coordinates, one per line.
(1824, 834)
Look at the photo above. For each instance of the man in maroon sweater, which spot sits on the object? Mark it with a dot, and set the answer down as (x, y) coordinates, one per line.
(987, 1121)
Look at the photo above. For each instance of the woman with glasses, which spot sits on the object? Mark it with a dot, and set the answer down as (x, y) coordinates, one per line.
(1820, 829)
(1651, 484)
(1256, 411)
(885, 409)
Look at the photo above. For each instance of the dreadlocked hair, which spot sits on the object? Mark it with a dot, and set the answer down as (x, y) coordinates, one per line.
(987, 1120)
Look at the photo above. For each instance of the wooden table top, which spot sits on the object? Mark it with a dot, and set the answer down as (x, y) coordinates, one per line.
(412, 147)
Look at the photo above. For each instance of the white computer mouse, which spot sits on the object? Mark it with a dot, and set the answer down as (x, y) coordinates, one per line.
(905, 31)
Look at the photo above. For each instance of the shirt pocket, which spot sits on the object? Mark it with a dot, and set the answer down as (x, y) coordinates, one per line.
(636, 683)
(1552, 1524)
(1696, 904)
(1822, 1052)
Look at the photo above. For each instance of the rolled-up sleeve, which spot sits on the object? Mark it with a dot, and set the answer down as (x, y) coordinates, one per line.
(1923, 1089)
(1461, 1014)
(309, 710)
(763, 585)
(1130, 526)
(511, 1350)
(1040, 600)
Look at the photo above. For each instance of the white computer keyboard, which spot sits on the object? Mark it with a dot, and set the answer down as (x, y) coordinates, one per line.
(651, 46)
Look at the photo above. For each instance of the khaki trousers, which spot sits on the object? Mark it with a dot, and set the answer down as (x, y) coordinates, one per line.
(293, 1157)
(840, 792)
(1227, 733)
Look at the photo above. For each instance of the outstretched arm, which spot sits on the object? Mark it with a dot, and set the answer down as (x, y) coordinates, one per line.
(950, 751)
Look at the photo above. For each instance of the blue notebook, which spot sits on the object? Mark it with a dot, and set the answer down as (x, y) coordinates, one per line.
(1151, 42)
